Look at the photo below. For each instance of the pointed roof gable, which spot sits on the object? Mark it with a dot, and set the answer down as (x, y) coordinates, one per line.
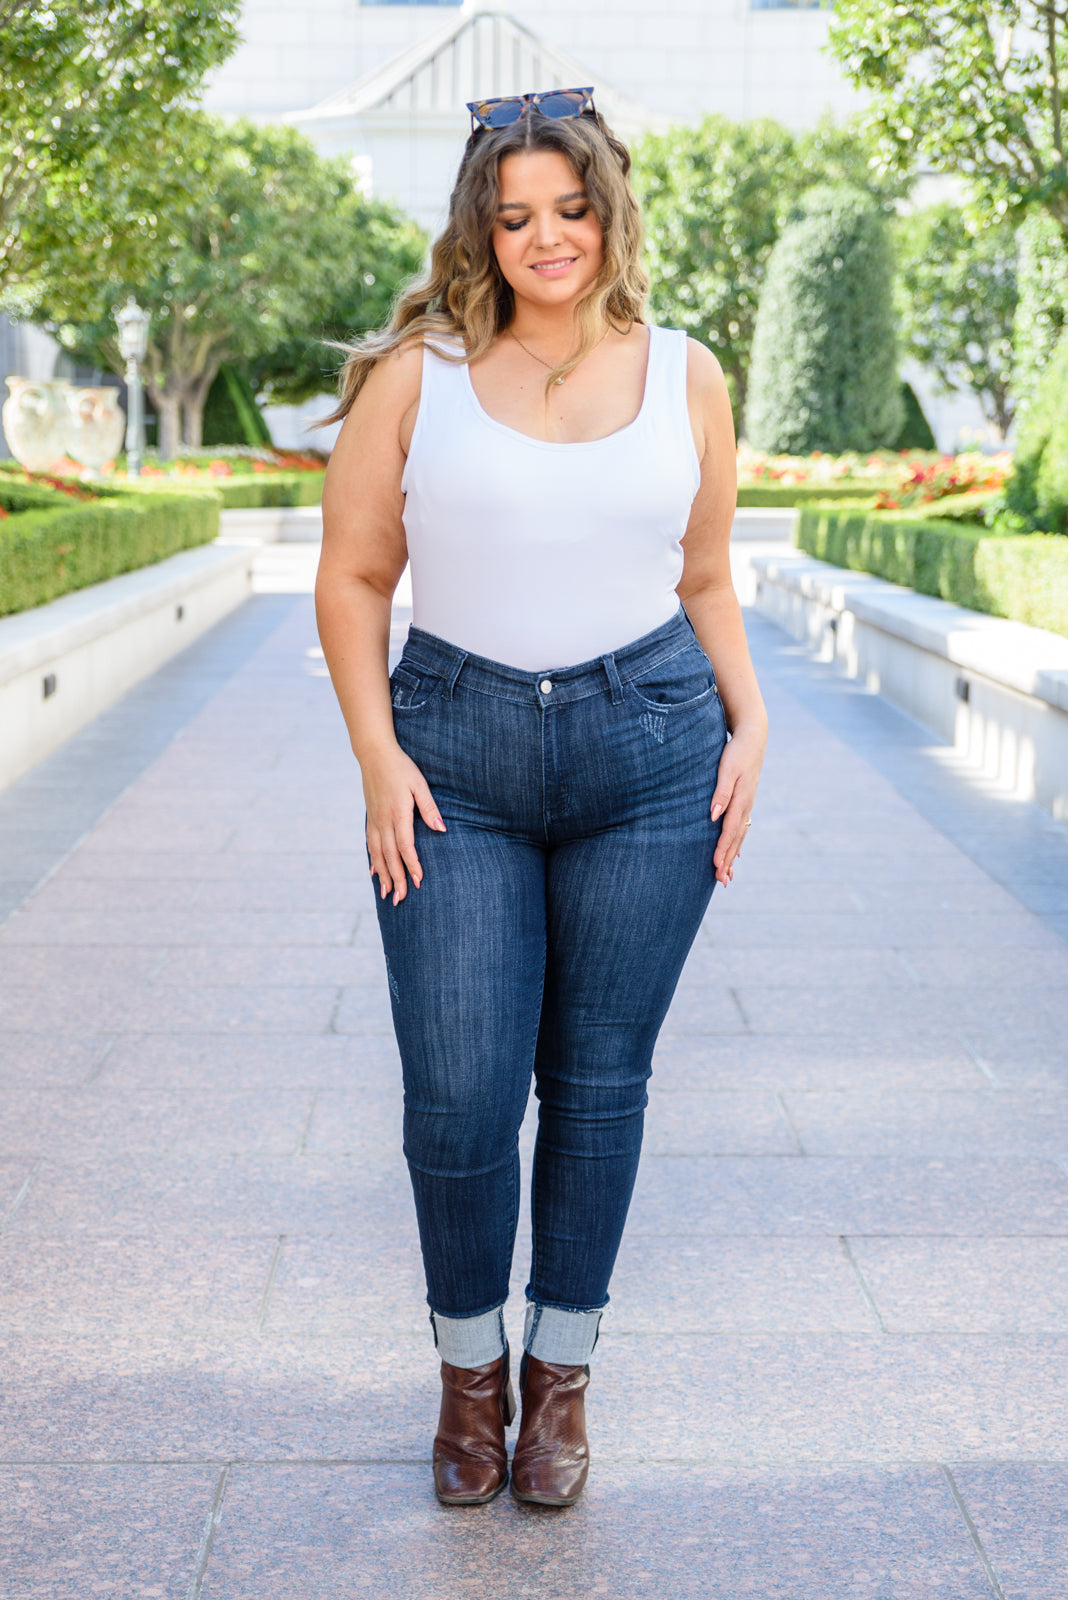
(477, 53)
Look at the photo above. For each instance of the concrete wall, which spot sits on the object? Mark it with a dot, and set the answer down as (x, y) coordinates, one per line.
(63, 663)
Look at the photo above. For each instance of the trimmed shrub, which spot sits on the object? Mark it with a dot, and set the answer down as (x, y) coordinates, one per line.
(1037, 491)
(797, 494)
(824, 371)
(915, 430)
(231, 415)
(29, 497)
(1024, 577)
(1042, 309)
(45, 553)
(271, 489)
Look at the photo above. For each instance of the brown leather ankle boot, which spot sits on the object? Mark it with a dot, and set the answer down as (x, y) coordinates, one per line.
(470, 1459)
(552, 1454)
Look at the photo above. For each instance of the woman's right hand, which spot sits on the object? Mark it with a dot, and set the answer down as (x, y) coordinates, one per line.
(393, 787)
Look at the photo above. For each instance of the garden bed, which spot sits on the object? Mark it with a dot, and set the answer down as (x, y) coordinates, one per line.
(246, 477)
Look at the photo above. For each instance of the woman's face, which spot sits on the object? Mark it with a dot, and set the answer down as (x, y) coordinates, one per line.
(547, 239)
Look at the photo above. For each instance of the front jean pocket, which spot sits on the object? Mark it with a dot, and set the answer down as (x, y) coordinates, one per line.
(682, 682)
(411, 687)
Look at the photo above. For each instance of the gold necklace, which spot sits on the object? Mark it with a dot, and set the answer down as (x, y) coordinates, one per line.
(549, 364)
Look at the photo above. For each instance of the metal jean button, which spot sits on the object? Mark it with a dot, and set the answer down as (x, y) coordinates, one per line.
(545, 686)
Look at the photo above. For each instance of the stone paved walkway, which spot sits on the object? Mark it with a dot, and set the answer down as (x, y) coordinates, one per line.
(837, 1363)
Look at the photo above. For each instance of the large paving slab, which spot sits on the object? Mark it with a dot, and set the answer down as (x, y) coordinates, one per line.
(836, 1361)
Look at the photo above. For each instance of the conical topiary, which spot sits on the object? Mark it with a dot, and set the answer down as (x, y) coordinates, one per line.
(824, 369)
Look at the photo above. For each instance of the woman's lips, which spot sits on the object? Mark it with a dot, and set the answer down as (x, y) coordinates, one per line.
(553, 269)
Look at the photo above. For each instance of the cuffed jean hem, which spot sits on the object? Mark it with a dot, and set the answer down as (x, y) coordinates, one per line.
(470, 1341)
(566, 1338)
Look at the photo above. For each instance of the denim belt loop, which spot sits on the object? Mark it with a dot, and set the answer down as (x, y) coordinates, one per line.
(611, 672)
(453, 673)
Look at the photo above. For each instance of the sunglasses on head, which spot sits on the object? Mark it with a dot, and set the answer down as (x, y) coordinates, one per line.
(555, 103)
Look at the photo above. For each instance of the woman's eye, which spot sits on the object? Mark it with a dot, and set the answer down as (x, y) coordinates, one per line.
(513, 227)
(575, 216)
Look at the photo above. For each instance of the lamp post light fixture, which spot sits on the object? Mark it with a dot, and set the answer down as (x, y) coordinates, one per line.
(132, 324)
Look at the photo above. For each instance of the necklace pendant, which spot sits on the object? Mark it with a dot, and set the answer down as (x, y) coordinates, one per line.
(559, 380)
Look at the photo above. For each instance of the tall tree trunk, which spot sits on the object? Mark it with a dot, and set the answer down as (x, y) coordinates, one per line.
(192, 423)
(168, 409)
(193, 402)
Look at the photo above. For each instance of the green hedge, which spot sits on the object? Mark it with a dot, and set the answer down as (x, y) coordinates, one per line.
(271, 489)
(30, 496)
(796, 494)
(1022, 576)
(48, 552)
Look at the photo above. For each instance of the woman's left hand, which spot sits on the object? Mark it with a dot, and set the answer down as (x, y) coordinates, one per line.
(736, 786)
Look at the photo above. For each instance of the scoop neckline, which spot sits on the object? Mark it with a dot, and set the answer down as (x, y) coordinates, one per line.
(566, 444)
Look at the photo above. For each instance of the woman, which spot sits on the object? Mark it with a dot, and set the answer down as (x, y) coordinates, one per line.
(550, 792)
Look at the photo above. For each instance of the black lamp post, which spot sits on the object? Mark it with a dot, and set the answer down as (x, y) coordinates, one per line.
(133, 341)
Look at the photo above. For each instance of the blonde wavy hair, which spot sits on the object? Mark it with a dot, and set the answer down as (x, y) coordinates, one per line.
(463, 293)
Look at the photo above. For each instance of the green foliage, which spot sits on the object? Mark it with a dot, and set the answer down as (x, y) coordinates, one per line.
(1042, 310)
(1037, 491)
(967, 87)
(231, 415)
(1025, 578)
(956, 301)
(244, 259)
(48, 552)
(271, 489)
(715, 199)
(824, 363)
(381, 250)
(87, 89)
(29, 496)
(915, 430)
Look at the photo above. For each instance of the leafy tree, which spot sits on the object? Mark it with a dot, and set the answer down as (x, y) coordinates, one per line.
(88, 88)
(243, 257)
(956, 300)
(384, 249)
(824, 361)
(974, 87)
(715, 200)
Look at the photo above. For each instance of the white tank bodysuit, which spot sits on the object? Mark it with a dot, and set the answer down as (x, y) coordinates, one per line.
(538, 554)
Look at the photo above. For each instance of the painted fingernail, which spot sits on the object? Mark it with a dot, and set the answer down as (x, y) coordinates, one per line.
(439, 825)
(716, 813)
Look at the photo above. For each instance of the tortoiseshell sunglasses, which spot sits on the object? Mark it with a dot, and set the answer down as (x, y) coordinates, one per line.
(554, 103)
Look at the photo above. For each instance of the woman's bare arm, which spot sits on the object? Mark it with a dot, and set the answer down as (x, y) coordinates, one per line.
(362, 559)
(707, 592)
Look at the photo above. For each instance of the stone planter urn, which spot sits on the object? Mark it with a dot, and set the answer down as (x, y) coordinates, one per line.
(36, 419)
(97, 427)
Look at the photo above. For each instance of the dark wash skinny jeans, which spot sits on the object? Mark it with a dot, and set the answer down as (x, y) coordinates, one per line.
(549, 933)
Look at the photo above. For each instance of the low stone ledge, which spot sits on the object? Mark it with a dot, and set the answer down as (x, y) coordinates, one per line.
(271, 525)
(995, 690)
(63, 663)
(1031, 660)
